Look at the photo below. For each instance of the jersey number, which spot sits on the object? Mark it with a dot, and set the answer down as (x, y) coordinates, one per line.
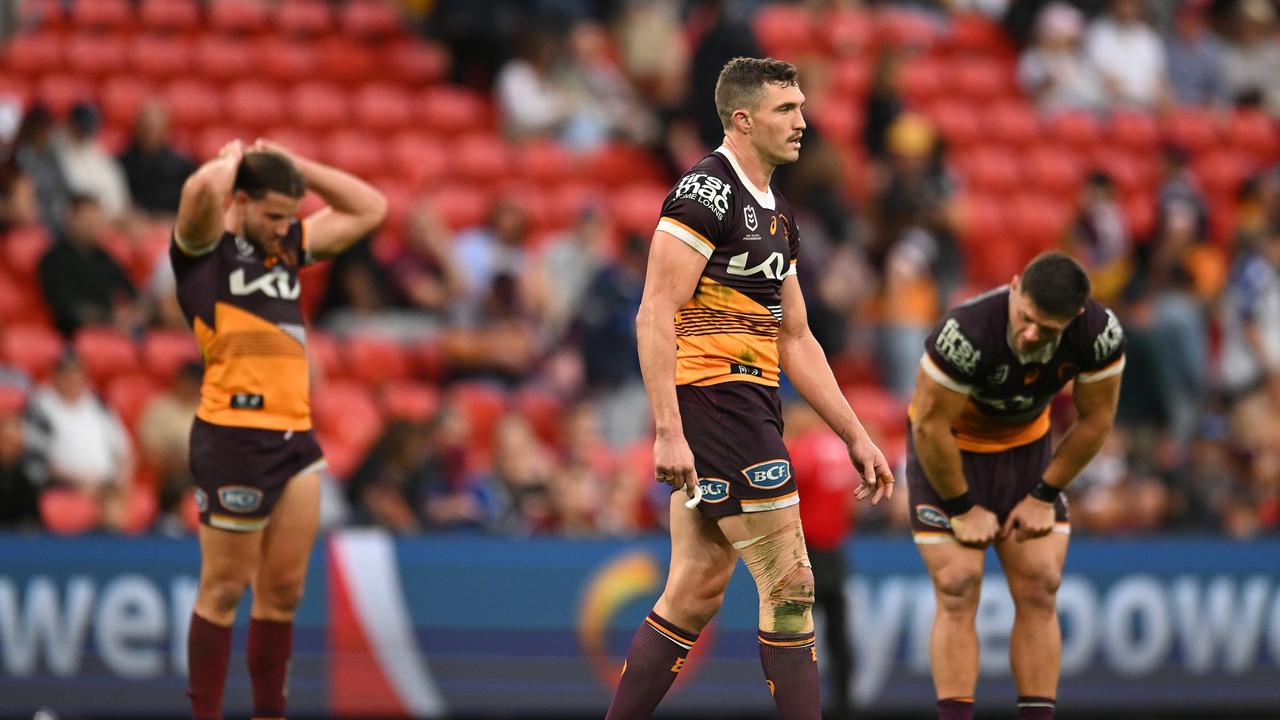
(774, 267)
(273, 285)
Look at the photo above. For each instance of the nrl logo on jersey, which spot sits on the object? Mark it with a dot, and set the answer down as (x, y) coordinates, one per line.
(244, 248)
(749, 214)
(999, 376)
(274, 284)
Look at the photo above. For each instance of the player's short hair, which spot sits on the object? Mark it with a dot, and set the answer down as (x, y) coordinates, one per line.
(742, 81)
(262, 171)
(1056, 283)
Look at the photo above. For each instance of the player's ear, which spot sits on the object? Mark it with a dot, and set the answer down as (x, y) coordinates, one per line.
(742, 119)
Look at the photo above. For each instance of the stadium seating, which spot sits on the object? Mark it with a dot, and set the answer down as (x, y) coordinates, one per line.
(32, 348)
(106, 354)
(128, 396)
(410, 400)
(12, 400)
(164, 352)
(65, 511)
(101, 14)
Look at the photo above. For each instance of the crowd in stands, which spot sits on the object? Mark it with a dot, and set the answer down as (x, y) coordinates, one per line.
(474, 362)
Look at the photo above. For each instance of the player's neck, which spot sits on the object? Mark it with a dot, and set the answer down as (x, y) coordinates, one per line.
(759, 172)
(233, 222)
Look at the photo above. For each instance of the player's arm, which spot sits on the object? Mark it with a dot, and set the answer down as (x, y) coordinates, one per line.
(806, 365)
(671, 278)
(936, 407)
(199, 223)
(1095, 415)
(354, 207)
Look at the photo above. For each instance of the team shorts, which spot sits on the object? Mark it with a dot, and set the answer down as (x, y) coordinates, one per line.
(735, 432)
(240, 473)
(998, 481)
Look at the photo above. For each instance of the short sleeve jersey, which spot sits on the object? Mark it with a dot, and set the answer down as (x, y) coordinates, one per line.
(243, 307)
(970, 352)
(728, 330)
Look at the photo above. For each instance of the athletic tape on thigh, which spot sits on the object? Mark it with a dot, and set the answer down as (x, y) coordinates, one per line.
(780, 565)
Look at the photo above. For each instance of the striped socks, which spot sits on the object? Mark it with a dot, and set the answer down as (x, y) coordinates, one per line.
(1031, 707)
(790, 663)
(657, 654)
(955, 708)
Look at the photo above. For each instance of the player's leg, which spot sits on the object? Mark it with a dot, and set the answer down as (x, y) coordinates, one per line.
(1034, 571)
(772, 546)
(277, 590)
(228, 560)
(701, 564)
(956, 572)
(829, 572)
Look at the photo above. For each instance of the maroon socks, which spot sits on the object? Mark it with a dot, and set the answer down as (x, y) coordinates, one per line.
(958, 708)
(790, 663)
(270, 647)
(1031, 707)
(657, 654)
(208, 649)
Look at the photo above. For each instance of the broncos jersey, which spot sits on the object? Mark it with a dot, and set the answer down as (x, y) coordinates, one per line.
(243, 307)
(970, 351)
(729, 329)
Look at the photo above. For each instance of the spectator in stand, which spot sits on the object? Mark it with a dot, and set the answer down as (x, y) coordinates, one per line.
(22, 473)
(1251, 60)
(485, 252)
(89, 169)
(564, 268)
(424, 273)
(607, 106)
(719, 34)
(19, 206)
(86, 445)
(1056, 72)
(523, 471)
(36, 156)
(531, 102)
(826, 482)
(164, 433)
(1250, 320)
(1101, 237)
(1195, 58)
(82, 283)
(1130, 56)
(154, 169)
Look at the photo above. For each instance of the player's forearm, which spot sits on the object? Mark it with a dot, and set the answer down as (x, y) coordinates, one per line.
(939, 456)
(806, 366)
(202, 197)
(1081, 444)
(656, 342)
(342, 191)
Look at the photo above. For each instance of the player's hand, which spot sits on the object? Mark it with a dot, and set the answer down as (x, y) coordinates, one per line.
(673, 461)
(873, 469)
(976, 527)
(232, 151)
(265, 145)
(1030, 518)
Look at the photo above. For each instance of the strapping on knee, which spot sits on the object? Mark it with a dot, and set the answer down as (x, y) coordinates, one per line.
(784, 578)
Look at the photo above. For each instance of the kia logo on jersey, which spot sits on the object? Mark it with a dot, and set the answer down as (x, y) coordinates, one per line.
(769, 474)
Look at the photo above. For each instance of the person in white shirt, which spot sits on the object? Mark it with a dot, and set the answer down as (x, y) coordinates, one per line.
(89, 169)
(1055, 71)
(1130, 55)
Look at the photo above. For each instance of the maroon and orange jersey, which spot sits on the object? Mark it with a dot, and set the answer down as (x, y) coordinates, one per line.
(243, 307)
(971, 352)
(729, 329)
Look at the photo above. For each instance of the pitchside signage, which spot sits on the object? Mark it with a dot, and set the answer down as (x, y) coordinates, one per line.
(434, 627)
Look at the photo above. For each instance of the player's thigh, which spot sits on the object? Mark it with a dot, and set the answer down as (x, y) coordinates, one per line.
(1033, 568)
(956, 572)
(228, 556)
(702, 560)
(289, 537)
(772, 547)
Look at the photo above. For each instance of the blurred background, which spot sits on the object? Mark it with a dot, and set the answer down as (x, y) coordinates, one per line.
(494, 532)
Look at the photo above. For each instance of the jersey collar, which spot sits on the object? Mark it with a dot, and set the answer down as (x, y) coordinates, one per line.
(764, 199)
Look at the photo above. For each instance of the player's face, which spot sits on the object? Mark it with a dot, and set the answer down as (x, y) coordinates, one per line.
(779, 123)
(1032, 328)
(267, 221)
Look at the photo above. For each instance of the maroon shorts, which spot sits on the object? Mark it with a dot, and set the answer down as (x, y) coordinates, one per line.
(735, 432)
(997, 481)
(240, 472)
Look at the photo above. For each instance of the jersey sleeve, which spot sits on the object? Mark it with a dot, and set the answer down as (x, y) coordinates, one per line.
(1101, 350)
(793, 240)
(695, 211)
(952, 356)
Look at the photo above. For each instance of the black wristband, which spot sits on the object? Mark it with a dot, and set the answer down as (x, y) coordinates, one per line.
(957, 505)
(1044, 492)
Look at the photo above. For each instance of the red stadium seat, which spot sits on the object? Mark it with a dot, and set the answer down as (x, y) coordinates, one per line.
(1140, 215)
(237, 16)
(460, 206)
(1075, 128)
(224, 59)
(979, 79)
(169, 15)
(617, 164)
(356, 152)
(255, 104)
(382, 107)
(304, 17)
(34, 54)
(12, 400)
(1253, 132)
(1130, 171)
(16, 87)
(164, 352)
(416, 159)
(532, 200)
(904, 27)
(990, 169)
(32, 348)
(122, 96)
(980, 219)
(369, 19)
(325, 355)
(1014, 123)
(543, 411)
(287, 61)
(345, 60)
(23, 249)
(346, 410)
(209, 141)
(847, 31)
(67, 511)
(877, 408)
(956, 121)
(106, 354)
(1137, 131)
(1192, 129)
(13, 300)
(101, 14)
(851, 77)
(543, 161)
(193, 103)
(372, 359)
(415, 62)
(429, 360)
(479, 157)
(141, 508)
(407, 400)
(128, 396)
(61, 92)
(96, 55)
(784, 31)
(482, 405)
(318, 105)
(971, 33)
(1038, 222)
(1053, 170)
(449, 110)
(635, 208)
(160, 56)
(1222, 171)
(840, 120)
(920, 80)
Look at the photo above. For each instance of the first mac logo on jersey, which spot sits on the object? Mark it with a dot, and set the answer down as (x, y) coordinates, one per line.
(274, 284)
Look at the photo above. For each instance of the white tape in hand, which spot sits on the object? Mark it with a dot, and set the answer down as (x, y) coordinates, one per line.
(692, 502)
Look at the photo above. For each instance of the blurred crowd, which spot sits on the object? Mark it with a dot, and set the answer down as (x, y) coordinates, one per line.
(538, 421)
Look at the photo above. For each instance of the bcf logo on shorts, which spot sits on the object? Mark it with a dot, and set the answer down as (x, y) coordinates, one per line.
(240, 499)
(769, 474)
(714, 490)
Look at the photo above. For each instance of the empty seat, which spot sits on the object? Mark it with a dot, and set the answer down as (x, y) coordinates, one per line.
(373, 359)
(325, 355)
(904, 27)
(920, 80)
(1137, 131)
(1053, 170)
(1038, 221)
(160, 56)
(34, 54)
(355, 151)
(784, 30)
(846, 31)
(382, 107)
(408, 400)
(23, 249)
(255, 104)
(840, 120)
(101, 14)
(850, 77)
(225, 59)
(16, 87)
(975, 34)
(300, 141)
(345, 60)
(617, 164)
(448, 109)
(543, 161)
(96, 55)
(415, 62)
(1013, 122)
(304, 17)
(479, 157)
(416, 159)
(61, 92)
(877, 408)
(193, 103)
(347, 410)
(1222, 171)
(1130, 171)
(1254, 132)
(979, 79)
(369, 19)
(957, 122)
(635, 208)
(544, 412)
(482, 405)
(12, 400)
(1194, 129)
(128, 396)
(209, 141)
(68, 511)
(32, 348)
(1075, 128)
(164, 352)
(1140, 215)
(106, 354)
(990, 169)
(122, 96)
(237, 16)
(460, 206)
(169, 15)
(287, 60)
(318, 105)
